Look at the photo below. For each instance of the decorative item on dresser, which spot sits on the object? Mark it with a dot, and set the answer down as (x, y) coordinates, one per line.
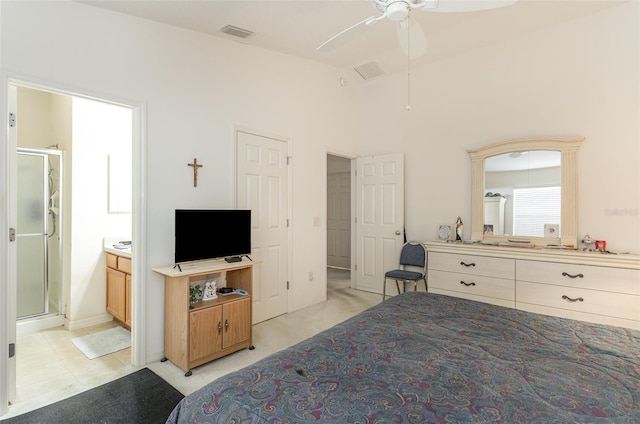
(459, 227)
(444, 232)
(589, 286)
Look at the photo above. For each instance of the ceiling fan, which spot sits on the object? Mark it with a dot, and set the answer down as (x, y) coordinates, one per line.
(407, 29)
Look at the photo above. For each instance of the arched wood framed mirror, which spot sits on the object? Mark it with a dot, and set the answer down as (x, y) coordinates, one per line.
(506, 177)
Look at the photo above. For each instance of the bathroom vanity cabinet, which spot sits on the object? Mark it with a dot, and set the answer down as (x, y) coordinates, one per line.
(119, 289)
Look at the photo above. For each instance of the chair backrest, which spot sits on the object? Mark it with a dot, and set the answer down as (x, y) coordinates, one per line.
(413, 254)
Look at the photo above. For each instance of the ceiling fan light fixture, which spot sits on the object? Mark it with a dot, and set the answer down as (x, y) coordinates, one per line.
(397, 11)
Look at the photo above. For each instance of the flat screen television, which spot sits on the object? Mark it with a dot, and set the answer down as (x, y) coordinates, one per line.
(211, 234)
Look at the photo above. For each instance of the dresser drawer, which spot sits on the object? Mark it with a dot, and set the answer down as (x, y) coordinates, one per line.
(610, 304)
(580, 276)
(473, 265)
(477, 285)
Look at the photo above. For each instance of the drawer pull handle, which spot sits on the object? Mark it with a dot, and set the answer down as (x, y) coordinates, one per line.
(467, 284)
(471, 264)
(579, 299)
(226, 325)
(566, 274)
(219, 327)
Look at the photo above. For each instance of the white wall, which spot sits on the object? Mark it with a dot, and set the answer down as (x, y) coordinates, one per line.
(98, 130)
(196, 89)
(578, 78)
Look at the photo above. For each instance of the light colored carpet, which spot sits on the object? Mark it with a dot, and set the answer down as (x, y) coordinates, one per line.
(277, 333)
(104, 342)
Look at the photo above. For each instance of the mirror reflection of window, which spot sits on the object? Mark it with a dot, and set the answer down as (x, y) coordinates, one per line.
(533, 208)
(530, 174)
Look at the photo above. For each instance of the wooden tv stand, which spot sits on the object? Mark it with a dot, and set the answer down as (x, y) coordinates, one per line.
(206, 330)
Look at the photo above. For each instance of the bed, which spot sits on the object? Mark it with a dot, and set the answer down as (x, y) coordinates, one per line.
(427, 358)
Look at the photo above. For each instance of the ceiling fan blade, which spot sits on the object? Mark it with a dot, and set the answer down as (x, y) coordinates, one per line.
(346, 35)
(464, 5)
(411, 38)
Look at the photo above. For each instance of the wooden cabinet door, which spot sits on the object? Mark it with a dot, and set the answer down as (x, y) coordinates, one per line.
(237, 322)
(205, 332)
(116, 286)
(127, 300)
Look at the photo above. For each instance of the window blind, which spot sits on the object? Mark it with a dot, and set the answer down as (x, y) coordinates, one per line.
(533, 208)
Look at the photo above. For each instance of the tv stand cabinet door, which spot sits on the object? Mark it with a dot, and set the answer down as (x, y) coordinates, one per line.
(237, 323)
(205, 332)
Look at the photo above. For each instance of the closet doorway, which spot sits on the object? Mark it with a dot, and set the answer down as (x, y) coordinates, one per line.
(339, 209)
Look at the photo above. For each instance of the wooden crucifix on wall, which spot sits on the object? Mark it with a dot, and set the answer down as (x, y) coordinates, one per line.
(195, 166)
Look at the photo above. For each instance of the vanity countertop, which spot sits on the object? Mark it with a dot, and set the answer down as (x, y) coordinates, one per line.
(115, 246)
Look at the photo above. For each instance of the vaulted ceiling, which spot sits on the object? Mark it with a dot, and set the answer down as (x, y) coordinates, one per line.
(298, 27)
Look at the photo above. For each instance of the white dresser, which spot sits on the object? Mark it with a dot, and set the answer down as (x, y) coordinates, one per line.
(588, 286)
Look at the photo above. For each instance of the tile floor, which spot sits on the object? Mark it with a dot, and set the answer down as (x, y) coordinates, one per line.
(51, 368)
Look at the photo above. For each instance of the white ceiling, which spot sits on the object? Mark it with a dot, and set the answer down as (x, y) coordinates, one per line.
(298, 27)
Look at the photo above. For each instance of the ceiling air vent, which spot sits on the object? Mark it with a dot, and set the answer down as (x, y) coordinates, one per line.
(369, 70)
(236, 31)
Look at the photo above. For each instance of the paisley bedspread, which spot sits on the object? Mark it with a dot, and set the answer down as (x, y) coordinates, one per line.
(426, 358)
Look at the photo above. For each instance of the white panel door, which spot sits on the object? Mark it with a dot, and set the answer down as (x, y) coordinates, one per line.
(262, 185)
(379, 218)
(339, 219)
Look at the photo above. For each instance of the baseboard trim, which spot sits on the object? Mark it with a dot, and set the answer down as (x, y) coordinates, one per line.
(87, 322)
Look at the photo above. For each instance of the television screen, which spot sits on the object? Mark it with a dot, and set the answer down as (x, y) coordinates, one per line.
(209, 234)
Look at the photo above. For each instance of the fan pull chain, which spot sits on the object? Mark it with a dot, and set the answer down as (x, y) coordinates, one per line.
(409, 61)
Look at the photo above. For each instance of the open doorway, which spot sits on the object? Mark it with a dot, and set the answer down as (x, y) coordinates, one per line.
(54, 119)
(338, 222)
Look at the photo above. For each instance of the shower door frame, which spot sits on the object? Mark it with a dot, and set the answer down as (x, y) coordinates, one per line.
(45, 153)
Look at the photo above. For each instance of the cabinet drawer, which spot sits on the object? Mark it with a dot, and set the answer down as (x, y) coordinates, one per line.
(617, 305)
(124, 264)
(472, 284)
(112, 261)
(119, 262)
(580, 276)
(474, 265)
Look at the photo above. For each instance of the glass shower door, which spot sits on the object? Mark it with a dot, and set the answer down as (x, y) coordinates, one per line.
(32, 235)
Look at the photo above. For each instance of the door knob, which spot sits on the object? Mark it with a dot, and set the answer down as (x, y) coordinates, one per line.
(398, 232)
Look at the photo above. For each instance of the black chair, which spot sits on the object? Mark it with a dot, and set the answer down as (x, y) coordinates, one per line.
(413, 254)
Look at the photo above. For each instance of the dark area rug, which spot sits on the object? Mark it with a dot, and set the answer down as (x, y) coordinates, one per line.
(141, 397)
